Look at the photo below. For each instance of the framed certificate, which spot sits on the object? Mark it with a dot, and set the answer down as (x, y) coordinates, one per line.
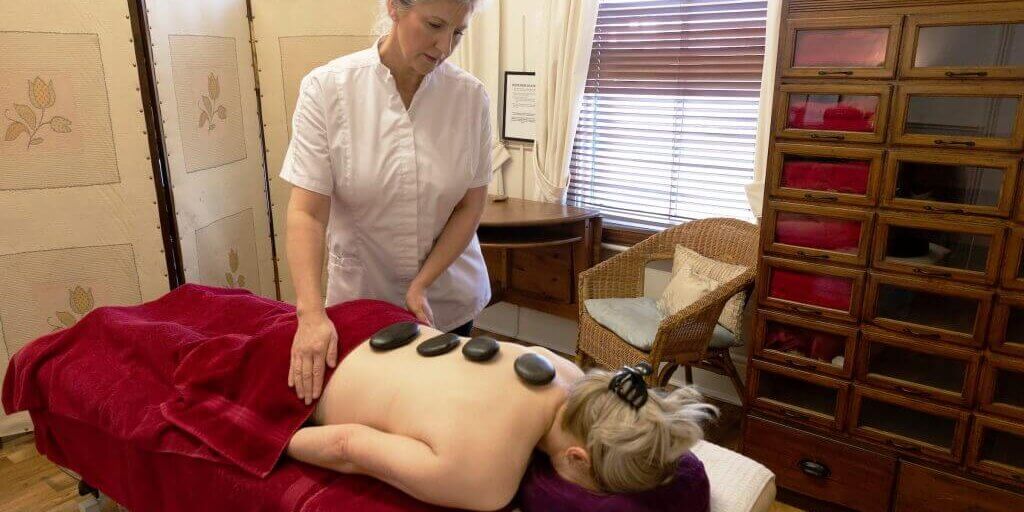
(519, 119)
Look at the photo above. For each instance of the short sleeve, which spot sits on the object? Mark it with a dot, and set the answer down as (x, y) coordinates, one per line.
(482, 167)
(307, 164)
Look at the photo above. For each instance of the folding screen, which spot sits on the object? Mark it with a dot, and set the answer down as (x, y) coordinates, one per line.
(292, 38)
(202, 61)
(79, 223)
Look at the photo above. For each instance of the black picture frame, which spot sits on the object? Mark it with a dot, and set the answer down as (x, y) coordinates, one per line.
(504, 107)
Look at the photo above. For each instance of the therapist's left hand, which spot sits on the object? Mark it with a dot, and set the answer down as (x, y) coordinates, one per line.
(416, 301)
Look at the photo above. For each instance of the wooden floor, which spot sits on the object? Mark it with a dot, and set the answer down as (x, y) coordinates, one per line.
(31, 483)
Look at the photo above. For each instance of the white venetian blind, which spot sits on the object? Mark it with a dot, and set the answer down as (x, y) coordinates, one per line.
(669, 114)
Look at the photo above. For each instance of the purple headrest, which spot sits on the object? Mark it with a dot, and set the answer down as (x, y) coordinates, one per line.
(543, 490)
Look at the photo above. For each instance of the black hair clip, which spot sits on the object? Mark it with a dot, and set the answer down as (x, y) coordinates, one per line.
(628, 383)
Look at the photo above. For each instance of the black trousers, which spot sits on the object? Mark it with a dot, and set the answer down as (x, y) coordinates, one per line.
(464, 329)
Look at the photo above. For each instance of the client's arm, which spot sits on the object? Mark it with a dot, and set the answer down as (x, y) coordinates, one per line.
(406, 463)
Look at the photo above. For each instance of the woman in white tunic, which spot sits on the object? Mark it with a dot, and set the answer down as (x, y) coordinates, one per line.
(389, 162)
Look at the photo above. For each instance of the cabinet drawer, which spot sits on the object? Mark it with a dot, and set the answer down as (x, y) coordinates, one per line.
(836, 113)
(818, 233)
(841, 47)
(928, 308)
(909, 425)
(946, 246)
(1002, 386)
(959, 116)
(997, 449)
(975, 45)
(543, 272)
(914, 367)
(801, 396)
(825, 174)
(803, 343)
(820, 467)
(1013, 263)
(820, 291)
(950, 182)
(925, 490)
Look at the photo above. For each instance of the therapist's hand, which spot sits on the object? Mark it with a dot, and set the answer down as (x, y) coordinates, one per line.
(416, 301)
(315, 344)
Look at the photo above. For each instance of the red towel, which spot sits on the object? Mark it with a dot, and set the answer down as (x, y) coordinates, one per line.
(194, 382)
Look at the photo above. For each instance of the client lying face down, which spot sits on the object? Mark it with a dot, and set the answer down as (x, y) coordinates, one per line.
(457, 427)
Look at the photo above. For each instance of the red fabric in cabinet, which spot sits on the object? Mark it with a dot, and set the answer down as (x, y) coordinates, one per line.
(812, 289)
(846, 177)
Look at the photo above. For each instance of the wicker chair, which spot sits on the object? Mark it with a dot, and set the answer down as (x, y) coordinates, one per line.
(683, 338)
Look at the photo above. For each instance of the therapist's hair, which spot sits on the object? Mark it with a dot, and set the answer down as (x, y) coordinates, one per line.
(384, 21)
(633, 450)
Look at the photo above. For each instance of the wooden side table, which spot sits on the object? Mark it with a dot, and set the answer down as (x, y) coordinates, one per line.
(535, 250)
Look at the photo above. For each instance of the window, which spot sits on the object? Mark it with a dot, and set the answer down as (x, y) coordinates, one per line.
(669, 114)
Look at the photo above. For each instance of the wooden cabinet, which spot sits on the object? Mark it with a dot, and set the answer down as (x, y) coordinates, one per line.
(890, 322)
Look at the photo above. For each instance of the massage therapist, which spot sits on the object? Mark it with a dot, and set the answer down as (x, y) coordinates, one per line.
(390, 162)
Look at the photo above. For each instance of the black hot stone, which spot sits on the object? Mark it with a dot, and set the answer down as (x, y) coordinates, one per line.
(394, 336)
(438, 345)
(535, 369)
(480, 349)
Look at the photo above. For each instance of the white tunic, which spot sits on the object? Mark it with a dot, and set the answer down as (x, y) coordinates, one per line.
(394, 177)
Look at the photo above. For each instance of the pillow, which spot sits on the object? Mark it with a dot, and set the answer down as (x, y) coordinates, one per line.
(542, 490)
(685, 288)
(634, 320)
(732, 313)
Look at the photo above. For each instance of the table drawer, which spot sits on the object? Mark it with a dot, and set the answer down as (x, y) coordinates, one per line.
(821, 468)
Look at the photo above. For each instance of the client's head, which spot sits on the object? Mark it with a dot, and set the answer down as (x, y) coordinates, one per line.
(603, 441)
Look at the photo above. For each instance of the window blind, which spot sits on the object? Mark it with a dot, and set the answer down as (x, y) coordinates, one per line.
(669, 113)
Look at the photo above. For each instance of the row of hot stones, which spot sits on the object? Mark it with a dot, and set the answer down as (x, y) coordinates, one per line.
(534, 369)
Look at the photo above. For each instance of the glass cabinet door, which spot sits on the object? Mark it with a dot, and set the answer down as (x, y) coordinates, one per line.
(954, 247)
(1002, 386)
(960, 117)
(822, 291)
(824, 174)
(960, 182)
(817, 233)
(916, 367)
(837, 113)
(964, 46)
(799, 395)
(1006, 333)
(910, 425)
(928, 308)
(997, 449)
(841, 48)
(806, 344)
(1013, 261)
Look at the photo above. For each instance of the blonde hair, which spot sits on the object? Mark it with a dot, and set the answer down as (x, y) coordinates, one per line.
(383, 25)
(630, 449)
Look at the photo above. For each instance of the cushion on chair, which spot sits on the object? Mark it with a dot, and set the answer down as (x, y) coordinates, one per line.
(634, 320)
(722, 338)
(732, 314)
(686, 287)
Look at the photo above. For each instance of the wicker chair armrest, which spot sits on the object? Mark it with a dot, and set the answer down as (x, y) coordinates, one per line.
(689, 330)
(621, 275)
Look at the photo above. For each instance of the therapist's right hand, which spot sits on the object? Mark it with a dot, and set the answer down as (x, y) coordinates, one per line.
(315, 344)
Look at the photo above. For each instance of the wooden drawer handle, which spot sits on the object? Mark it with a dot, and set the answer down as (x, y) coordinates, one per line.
(835, 137)
(798, 364)
(796, 416)
(954, 74)
(812, 197)
(909, 391)
(968, 143)
(944, 210)
(815, 469)
(904, 446)
(806, 311)
(912, 332)
(814, 256)
(843, 73)
(929, 273)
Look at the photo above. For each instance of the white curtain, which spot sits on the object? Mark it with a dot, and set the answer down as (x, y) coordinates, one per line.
(561, 77)
(480, 54)
(755, 190)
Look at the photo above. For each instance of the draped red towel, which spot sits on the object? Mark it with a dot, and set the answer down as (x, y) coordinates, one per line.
(182, 404)
(846, 177)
